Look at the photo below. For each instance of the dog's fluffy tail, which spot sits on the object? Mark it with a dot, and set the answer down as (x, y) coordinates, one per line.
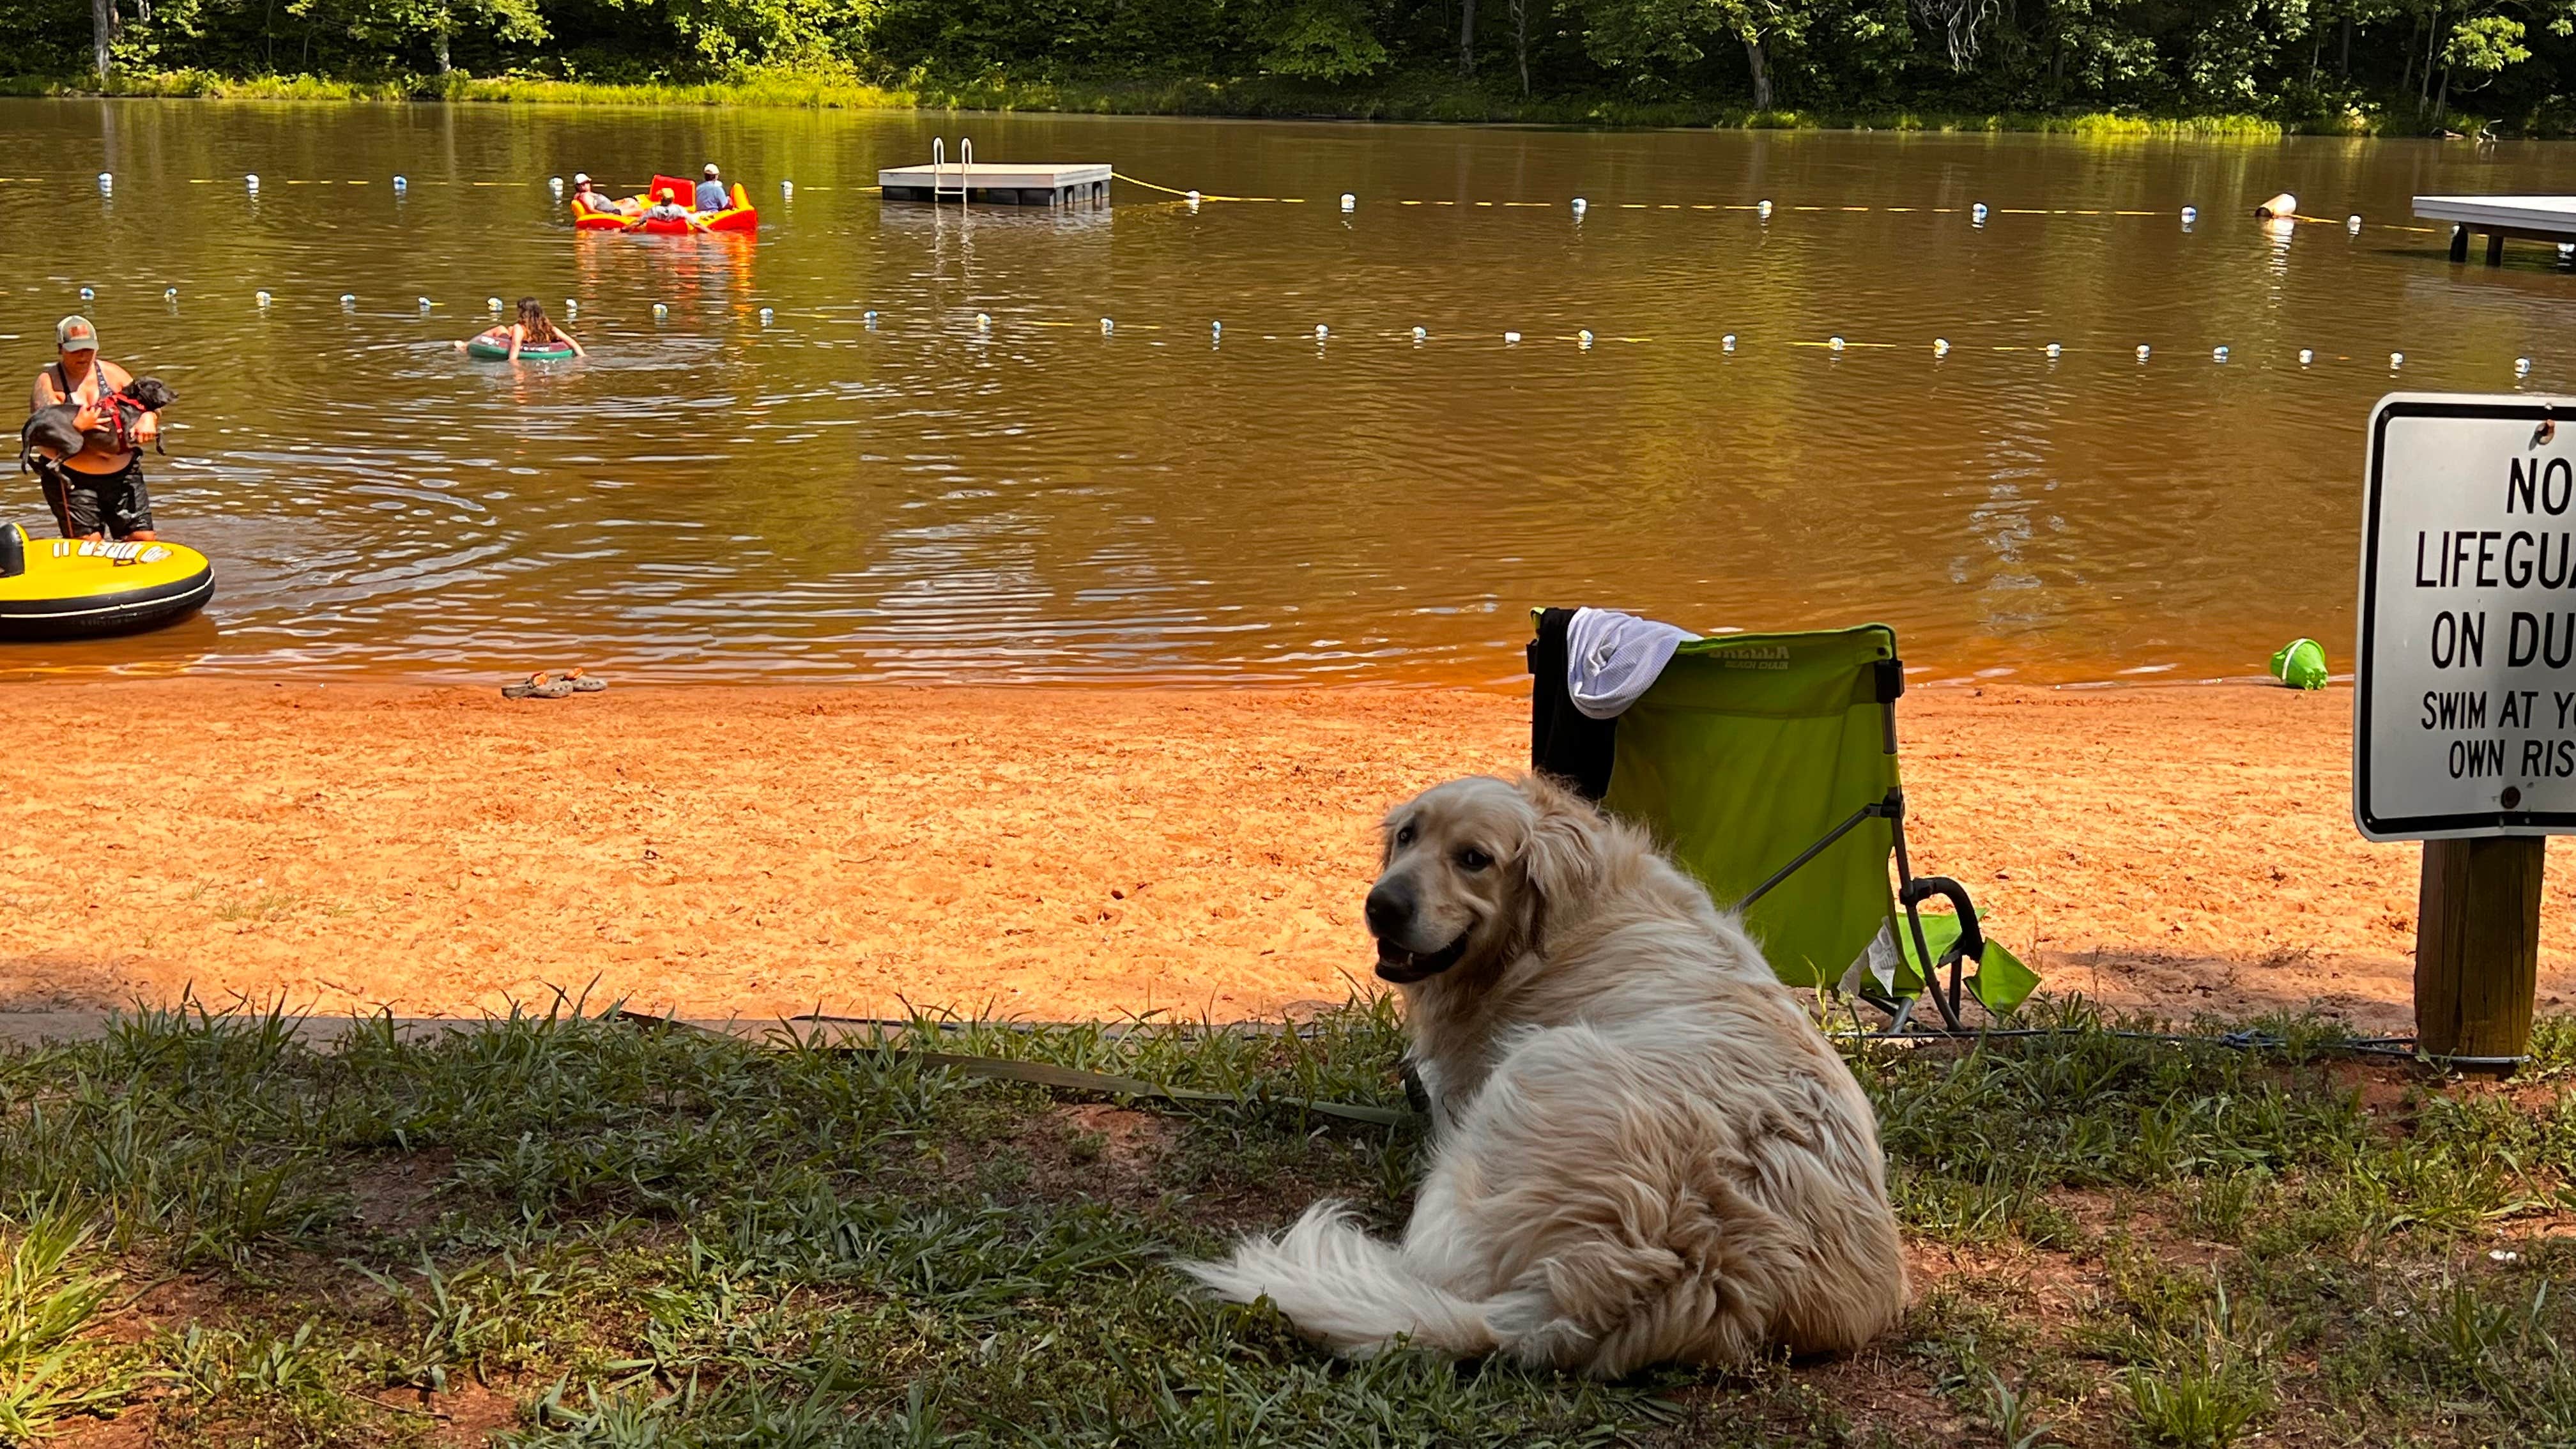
(1357, 1295)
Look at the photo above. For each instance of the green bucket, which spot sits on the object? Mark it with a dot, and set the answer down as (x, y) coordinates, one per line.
(2301, 664)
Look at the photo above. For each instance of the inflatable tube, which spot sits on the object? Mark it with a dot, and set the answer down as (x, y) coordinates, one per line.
(57, 588)
(741, 215)
(491, 351)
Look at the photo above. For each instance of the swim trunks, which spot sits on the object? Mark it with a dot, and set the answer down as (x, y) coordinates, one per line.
(115, 504)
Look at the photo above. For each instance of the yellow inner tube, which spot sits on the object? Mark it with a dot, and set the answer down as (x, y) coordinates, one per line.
(66, 588)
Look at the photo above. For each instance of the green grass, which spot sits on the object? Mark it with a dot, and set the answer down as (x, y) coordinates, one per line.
(1410, 98)
(567, 1231)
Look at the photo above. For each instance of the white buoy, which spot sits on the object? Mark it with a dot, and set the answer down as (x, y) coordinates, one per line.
(1727, 342)
(765, 315)
(1321, 332)
(87, 293)
(2218, 354)
(555, 185)
(2281, 207)
(2521, 366)
(1511, 339)
(1940, 347)
(2190, 214)
(169, 294)
(106, 182)
(348, 299)
(1216, 329)
(661, 310)
(400, 183)
(1421, 334)
(1193, 198)
(572, 308)
(870, 318)
(1762, 209)
(1583, 339)
(1107, 326)
(1579, 205)
(786, 189)
(2396, 360)
(2053, 351)
(2142, 352)
(425, 304)
(2352, 223)
(2566, 250)
(251, 181)
(2307, 355)
(492, 302)
(1835, 343)
(1350, 202)
(1977, 212)
(260, 297)
(983, 321)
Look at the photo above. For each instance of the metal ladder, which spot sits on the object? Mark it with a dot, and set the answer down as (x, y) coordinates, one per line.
(938, 163)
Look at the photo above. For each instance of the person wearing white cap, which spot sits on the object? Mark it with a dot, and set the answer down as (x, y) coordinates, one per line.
(712, 195)
(97, 491)
(589, 198)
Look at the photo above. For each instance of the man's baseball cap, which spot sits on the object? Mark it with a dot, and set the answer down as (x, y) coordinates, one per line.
(711, 168)
(74, 334)
(579, 177)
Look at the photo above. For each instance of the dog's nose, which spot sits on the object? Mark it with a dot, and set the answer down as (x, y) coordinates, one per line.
(1390, 908)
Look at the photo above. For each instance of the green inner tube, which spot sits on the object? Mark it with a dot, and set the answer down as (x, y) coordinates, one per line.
(485, 347)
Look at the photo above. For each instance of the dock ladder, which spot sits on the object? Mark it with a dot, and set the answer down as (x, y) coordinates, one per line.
(938, 163)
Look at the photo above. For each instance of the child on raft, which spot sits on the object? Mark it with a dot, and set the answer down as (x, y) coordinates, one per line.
(533, 329)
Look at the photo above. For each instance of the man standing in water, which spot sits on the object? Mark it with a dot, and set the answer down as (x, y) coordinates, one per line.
(97, 491)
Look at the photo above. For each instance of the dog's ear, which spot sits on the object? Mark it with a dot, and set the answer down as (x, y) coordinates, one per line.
(1562, 859)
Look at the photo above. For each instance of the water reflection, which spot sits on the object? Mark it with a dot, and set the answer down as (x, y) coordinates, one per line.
(874, 484)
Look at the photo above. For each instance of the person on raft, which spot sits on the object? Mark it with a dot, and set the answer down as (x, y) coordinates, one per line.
(97, 492)
(533, 329)
(594, 199)
(712, 195)
(667, 208)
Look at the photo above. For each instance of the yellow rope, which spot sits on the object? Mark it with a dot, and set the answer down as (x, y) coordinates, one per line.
(1203, 196)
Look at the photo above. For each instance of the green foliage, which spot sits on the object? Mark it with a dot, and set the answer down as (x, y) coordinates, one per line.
(2309, 63)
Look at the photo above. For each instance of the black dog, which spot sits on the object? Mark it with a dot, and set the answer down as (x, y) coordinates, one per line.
(57, 428)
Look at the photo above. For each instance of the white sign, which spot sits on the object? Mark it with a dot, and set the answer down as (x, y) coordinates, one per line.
(2464, 697)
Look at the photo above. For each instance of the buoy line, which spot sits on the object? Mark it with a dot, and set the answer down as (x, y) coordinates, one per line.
(1977, 212)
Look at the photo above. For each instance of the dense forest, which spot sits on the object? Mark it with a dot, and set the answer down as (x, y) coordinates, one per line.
(2404, 64)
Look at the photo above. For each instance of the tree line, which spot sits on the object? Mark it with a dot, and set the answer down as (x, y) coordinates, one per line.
(2405, 61)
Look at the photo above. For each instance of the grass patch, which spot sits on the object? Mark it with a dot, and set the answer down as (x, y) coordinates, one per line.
(571, 1231)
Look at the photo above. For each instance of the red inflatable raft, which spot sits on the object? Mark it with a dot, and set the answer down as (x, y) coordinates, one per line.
(740, 216)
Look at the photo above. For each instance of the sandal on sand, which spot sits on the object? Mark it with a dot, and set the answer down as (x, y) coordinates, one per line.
(539, 685)
(583, 683)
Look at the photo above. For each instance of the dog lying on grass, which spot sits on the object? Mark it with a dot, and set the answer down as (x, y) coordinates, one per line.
(52, 434)
(1647, 1152)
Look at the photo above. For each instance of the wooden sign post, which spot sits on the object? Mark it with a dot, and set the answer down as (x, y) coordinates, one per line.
(2464, 694)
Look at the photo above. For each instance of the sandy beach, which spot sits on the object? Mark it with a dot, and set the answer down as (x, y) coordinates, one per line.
(1058, 854)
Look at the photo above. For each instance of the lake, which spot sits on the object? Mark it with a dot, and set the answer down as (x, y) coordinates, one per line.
(823, 497)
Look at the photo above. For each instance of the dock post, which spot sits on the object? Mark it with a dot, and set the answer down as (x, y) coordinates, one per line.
(2495, 248)
(2459, 242)
(2477, 949)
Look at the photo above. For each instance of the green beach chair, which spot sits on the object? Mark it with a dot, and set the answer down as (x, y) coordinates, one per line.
(1766, 764)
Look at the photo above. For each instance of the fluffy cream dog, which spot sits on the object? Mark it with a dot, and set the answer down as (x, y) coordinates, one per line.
(1646, 1151)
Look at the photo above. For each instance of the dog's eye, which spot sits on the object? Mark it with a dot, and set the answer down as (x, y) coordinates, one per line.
(1404, 836)
(1472, 859)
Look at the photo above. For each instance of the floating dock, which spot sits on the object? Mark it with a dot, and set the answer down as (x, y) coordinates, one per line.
(999, 183)
(2534, 218)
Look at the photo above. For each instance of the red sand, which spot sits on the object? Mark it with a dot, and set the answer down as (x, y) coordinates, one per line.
(1058, 853)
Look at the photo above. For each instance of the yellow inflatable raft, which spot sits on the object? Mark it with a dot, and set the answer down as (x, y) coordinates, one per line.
(57, 588)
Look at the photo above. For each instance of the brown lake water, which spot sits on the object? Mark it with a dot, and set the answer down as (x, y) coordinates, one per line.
(921, 498)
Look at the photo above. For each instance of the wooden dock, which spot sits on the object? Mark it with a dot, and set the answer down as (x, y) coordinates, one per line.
(2536, 218)
(999, 183)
